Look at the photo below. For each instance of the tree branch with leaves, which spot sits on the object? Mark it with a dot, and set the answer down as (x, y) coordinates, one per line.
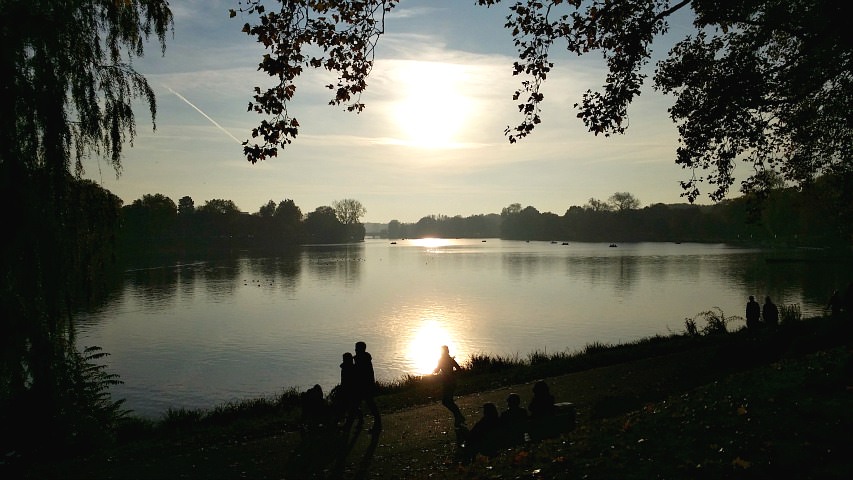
(765, 82)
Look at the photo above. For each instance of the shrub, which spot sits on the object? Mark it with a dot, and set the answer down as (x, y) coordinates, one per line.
(715, 320)
(790, 313)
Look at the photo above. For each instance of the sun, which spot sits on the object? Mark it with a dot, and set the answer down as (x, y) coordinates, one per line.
(424, 348)
(433, 109)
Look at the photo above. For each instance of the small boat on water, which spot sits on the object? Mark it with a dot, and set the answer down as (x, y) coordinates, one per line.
(613, 245)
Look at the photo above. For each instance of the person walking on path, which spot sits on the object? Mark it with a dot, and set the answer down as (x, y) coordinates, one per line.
(753, 313)
(770, 313)
(366, 384)
(446, 371)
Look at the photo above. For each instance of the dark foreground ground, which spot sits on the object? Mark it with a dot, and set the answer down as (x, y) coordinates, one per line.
(777, 405)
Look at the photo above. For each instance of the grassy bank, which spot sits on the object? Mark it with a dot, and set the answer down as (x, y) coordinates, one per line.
(704, 404)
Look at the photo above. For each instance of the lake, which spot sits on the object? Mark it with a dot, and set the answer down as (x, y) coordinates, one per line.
(200, 334)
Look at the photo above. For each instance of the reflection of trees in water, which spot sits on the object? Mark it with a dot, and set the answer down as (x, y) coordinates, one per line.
(156, 287)
(620, 271)
(186, 280)
(520, 266)
(329, 262)
(220, 277)
(160, 287)
(280, 272)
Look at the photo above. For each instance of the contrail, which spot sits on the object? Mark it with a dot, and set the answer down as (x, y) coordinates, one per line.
(205, 115)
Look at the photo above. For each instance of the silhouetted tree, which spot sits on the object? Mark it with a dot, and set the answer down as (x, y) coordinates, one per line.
(349, 213)
(394, 230)
(267, 211)
(288, 222)
(622, 201)
(67, 87)
(597, 205)
(186, 205)
(218, 222)
(322, 226)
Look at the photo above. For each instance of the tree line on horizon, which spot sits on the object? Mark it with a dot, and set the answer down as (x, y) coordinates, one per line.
(155, 219)
(784, 217)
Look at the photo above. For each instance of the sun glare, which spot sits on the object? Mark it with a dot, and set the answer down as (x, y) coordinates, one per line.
(433, 109)
(425, 347)
(431, 242)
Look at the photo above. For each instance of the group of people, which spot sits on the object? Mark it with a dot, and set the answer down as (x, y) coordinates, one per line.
(494, 430)
(761, 315)
(840, 305)
(516, 424)
(357, 388)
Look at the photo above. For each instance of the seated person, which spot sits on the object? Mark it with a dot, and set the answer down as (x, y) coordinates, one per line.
(315, 410)
(514, 420)
(483, 437)
(542, 412)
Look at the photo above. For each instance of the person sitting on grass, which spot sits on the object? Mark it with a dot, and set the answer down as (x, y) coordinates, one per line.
(484, 435)
(542, 412)
(514, 420)
(315, 410)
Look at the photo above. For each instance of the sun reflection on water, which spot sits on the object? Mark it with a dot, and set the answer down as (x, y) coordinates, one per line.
(431, 242)
(425, 345)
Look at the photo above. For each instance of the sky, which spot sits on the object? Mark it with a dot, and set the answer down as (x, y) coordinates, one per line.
(430, 141)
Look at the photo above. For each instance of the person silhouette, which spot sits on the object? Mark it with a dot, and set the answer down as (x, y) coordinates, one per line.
(770, 313)
(483, 437)
(347, 392)
(834, 304)
(366, 384)
(446, 371)
(542, 411)
(514, 420)
(314, 409)
(753, 313)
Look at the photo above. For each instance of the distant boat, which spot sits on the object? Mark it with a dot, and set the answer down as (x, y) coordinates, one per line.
(565, 243)
(483, 241)
(613, 245)
(393, 243)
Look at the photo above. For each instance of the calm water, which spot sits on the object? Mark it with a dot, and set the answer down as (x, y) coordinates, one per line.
(200, 334)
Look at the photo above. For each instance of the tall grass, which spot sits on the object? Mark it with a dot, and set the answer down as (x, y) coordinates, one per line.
(715, 323)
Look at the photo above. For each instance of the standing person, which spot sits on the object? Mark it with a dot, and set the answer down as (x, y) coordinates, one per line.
(753, 313)
(446, 371)
(834, 304)
(770, 313)
(366, 384)
(348, 390)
